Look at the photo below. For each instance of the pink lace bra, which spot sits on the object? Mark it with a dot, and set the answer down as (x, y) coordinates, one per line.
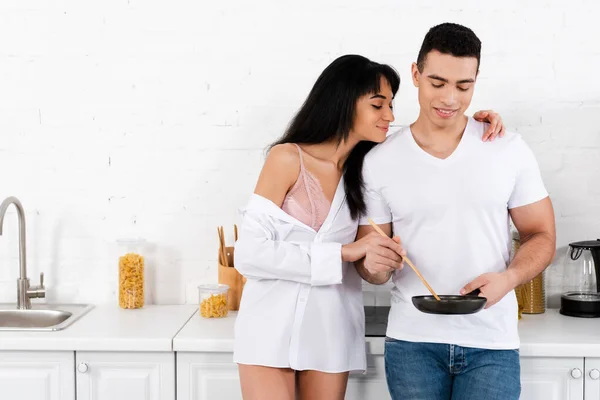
(306, 201)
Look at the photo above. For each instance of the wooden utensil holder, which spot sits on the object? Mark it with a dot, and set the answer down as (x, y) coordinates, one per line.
(232, 278)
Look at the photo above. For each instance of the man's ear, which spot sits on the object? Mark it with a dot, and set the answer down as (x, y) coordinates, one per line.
(415, 74)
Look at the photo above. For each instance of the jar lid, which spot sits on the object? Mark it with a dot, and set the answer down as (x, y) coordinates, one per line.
(131, 240)
(212, 286)
(587, 244)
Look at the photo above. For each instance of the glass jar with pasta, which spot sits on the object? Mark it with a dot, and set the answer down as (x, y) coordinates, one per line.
(213, 300)
(131, 273)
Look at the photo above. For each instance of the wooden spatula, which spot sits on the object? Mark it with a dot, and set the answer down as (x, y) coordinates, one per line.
(378, 229)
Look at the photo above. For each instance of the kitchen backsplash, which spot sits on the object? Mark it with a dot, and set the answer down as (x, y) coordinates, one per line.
(132, 119)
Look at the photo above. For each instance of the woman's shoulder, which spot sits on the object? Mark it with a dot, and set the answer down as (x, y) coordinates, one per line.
(279, 172)
(283, 161)
(285, 154)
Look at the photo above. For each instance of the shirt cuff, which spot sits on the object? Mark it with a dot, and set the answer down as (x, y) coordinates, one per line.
(326, 264)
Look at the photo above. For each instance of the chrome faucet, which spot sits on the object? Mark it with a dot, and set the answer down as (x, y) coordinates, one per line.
(24, 291)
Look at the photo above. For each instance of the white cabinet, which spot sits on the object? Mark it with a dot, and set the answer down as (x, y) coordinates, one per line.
(592, 379)
(207, 376)
(59, 375)
(125, 376)
(552, 378)
(40, 375)
(372, 384)
(541, 379)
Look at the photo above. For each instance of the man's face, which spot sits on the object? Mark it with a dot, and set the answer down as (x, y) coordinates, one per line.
(445, 86)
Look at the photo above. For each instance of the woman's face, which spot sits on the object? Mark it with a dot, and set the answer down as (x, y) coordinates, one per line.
(374, 114)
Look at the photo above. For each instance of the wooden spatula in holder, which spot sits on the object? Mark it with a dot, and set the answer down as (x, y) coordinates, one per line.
(228, 275)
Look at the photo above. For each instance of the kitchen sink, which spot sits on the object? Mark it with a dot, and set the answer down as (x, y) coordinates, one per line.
(41, 317)
(25, 315)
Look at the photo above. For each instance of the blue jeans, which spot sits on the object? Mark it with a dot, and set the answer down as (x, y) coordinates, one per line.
(435, 371)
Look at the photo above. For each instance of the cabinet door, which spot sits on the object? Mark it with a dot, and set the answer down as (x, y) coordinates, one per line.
(40, 375)
(125, 376)
(592, 379)
(207, 376)
(545, 378)
(371, 385)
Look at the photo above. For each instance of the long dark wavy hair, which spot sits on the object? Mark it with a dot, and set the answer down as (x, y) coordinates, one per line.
(328, 114)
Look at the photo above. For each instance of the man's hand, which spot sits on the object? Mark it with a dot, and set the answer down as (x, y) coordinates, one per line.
(383, 254)
(493, 285)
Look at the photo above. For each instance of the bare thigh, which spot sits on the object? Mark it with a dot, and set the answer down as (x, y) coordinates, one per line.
(316, 385)
(266, 383)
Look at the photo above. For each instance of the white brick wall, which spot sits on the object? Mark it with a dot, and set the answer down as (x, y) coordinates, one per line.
(147, 118)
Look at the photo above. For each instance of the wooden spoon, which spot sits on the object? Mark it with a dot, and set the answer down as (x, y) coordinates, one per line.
(378, 229)
(222, 249)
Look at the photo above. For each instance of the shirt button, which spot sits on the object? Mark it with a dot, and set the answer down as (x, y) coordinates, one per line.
(302, 299)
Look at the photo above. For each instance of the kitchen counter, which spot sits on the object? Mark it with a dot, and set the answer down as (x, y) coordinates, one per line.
(180, 328)
(214, 335)
(545, 335)
(109, 328)
(554, 335)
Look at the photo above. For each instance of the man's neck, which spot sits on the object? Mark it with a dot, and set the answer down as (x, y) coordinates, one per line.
(436, 140)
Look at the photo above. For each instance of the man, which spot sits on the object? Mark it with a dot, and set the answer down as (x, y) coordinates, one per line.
(449, 196)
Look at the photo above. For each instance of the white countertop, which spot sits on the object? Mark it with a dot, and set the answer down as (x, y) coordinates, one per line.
(206, 334)
(215, 335)
(554, 335)
(109, 328)
(181, 328)
(544, 335)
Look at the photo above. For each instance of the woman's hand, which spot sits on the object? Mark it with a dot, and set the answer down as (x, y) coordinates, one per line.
(381, 253)
(496, 126)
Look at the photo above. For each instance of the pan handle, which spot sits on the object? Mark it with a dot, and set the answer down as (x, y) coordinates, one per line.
(474, 292)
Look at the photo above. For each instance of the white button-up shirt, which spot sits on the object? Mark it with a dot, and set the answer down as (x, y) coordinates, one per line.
(302, 307)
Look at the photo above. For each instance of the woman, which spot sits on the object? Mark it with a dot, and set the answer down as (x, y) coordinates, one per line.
(300, 328)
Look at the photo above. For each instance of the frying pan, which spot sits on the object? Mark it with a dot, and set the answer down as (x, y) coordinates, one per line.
(469, 303)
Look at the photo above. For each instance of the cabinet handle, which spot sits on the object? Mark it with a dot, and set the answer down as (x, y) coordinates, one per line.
(83, 368)
(595, 374)
(576, 373)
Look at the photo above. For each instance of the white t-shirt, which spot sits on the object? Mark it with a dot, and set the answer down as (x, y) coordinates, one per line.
(452, 217)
